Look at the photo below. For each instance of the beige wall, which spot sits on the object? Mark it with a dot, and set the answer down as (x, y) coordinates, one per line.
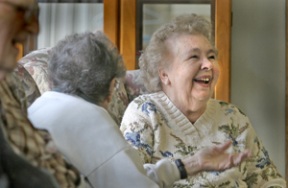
(258, 70)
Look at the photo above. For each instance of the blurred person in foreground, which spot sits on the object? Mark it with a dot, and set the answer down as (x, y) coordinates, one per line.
(178, 117)
(25, 160)
(84, 71)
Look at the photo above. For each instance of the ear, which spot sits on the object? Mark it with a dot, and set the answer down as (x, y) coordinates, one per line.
(108, 99)
(163, 76)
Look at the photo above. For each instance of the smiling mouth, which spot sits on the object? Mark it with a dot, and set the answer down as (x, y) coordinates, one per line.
(203, 80)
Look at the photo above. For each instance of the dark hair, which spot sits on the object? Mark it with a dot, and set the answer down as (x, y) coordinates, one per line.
(84, 65)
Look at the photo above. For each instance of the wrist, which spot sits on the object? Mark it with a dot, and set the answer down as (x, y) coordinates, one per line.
(192, 165)
(181, 168)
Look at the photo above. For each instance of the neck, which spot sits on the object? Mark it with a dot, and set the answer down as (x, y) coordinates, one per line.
(191, 109)
(194, 111)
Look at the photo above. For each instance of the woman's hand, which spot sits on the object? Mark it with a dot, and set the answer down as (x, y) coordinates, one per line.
(213, 158)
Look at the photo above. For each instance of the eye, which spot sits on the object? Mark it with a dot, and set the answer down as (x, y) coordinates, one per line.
(194, 57)
(212, 57)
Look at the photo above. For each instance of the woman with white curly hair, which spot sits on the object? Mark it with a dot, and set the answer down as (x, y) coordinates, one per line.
(178, 117)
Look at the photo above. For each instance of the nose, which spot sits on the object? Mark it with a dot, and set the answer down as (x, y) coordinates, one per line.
(207, 64)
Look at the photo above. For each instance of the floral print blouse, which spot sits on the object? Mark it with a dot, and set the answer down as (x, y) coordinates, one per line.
(154, 126)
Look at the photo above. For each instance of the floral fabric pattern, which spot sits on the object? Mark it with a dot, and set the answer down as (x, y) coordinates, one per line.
(118, 104)
(36, 63)
(30, 89)
(154, 126)
(134, 85)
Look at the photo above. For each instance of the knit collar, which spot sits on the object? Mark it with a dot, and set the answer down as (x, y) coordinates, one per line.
(180, 122)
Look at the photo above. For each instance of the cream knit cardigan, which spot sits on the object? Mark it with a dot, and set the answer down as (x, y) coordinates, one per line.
(154, 126)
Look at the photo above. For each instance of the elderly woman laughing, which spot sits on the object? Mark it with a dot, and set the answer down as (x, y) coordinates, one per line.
(178, 117)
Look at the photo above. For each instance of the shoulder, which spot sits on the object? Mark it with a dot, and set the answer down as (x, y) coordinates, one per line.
(140, 111)
(149, 98)
(60, 106)
(58, 99)
(230, 118)
(145, 103)
(227, 108)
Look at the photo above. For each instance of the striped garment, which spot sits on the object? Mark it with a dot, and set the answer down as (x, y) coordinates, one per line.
(27, 141)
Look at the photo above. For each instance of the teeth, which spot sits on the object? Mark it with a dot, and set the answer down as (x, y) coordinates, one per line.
(205, 80)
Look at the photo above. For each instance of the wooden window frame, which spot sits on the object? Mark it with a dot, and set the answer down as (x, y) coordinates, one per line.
(70, 1)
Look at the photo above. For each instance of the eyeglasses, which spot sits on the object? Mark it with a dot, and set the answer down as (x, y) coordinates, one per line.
(30, 12)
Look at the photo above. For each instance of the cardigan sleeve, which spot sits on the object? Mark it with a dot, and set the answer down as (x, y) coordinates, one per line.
(137, 128)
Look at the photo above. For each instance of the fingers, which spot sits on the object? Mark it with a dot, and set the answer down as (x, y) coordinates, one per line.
(224, 146)
(233, 160)
(245, 155)
(241, 157)
(229, 163)
(217, 158)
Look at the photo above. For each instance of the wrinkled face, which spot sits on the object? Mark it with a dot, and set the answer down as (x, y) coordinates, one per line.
(193, 71)
(18, 20)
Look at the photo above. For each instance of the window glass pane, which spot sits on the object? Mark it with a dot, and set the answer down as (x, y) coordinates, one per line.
(154, 15)
(60, 19)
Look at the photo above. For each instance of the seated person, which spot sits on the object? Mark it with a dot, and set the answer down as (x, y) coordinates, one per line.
(178, 117)
(24, 158)
(83, 70)
(15, 170)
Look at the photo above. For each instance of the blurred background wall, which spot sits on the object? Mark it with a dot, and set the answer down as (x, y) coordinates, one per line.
(258, 70)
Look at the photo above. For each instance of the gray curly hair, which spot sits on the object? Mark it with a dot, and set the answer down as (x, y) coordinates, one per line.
(84, 65)
(154, 56)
